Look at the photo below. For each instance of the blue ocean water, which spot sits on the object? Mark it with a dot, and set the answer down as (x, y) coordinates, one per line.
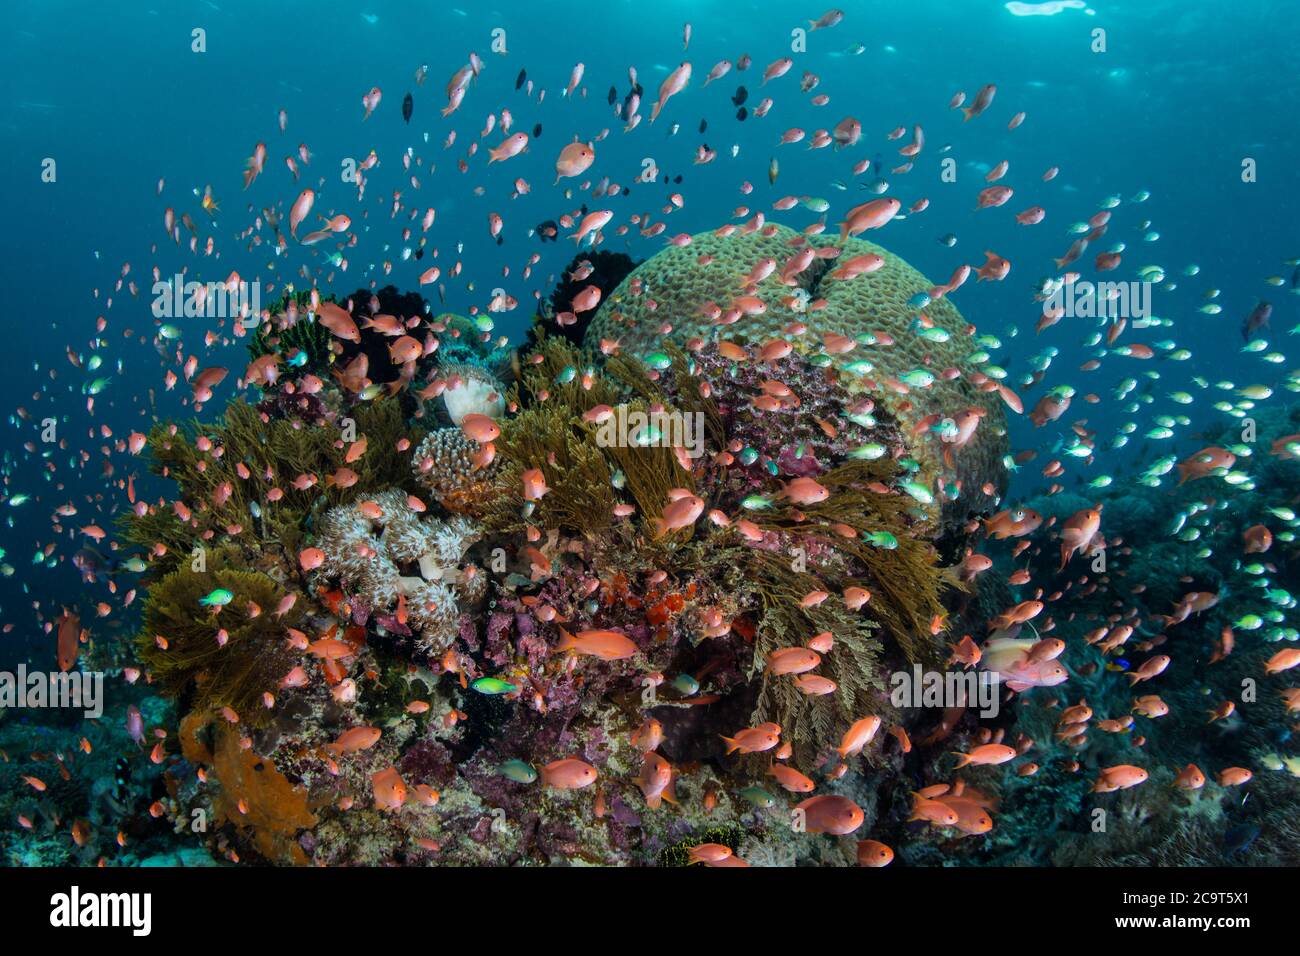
(1183, 94)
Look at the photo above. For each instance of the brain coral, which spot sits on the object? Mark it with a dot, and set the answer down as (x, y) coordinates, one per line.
(675, 286)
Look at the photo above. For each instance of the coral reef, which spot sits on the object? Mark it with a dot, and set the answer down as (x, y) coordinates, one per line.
(476, 610)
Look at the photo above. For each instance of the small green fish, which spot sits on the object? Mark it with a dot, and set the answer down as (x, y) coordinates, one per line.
(648, 436)
(518, 771)
(869, 452)
(493, 686)
(758, 797)
(918, 491)
(946, 429)
(881, 539)
(686, 685)
(756, 502)
(218, 598)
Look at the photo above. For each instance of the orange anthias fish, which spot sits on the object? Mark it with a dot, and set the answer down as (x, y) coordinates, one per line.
(607, 645)
(389, 790)
(69, 640)
(568, 774)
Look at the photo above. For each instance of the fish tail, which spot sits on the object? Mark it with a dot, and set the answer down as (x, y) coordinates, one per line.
(969, 111)
(962, 759)
(732, 746)
(567, 642)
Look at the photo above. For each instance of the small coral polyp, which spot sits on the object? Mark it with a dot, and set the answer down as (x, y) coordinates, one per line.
(445, 464)
(384, 552)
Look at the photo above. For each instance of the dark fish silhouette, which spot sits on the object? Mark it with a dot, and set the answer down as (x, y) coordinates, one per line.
(1256, 320)
(521, 79)
(613, 96)
(408, 105)
(547, 230)
(537, 131)
(742, 94)
(1237, 839)
(704, 124)
(742, 114)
